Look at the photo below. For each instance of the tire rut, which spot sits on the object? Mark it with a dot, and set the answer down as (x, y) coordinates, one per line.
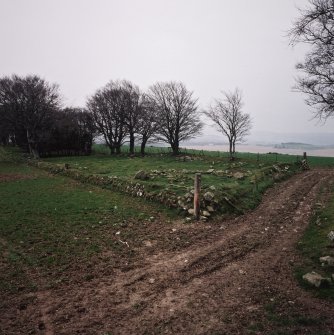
(186, 292)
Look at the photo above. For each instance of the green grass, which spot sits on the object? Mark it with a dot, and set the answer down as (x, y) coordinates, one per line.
(315, 244)
(284, 322)
(175, 175)
(52, 223)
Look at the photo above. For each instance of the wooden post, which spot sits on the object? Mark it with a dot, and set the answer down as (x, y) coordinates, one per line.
(305, 156)
(197, 190)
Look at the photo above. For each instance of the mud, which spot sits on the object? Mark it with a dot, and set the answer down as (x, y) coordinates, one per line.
(222, 279)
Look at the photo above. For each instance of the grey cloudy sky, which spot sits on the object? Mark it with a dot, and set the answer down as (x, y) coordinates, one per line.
(210, 45)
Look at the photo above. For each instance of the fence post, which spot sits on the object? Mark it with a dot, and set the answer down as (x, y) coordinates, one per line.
(197, 190)
(305, 156)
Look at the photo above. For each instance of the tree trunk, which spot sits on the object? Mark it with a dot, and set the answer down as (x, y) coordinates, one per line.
(118, 149)
(112, 149)
(175, 148)
(142, 146)
(32, 146)
(231, 150)
(132, 144)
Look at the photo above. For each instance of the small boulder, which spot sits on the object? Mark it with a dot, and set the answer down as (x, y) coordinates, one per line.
(238, 175)
(331, 235)
(206, 213)
(316, 280)
(191, 211)
(212, 188)
(180, 203)
(210, 171)
(142, 175)
(208, 196)
(210, 209)
(329, 260)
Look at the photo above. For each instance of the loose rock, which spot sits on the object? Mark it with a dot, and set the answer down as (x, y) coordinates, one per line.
(206, 213)
(208, 196)
(238, 175)
(210, 209)
(316, 280)
(331, 235)
(329, 260)
(142, 175)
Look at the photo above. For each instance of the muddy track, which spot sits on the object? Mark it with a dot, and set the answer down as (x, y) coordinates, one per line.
(219, 285)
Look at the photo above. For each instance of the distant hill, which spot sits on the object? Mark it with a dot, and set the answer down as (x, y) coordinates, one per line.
(298, 140)
(299, 146)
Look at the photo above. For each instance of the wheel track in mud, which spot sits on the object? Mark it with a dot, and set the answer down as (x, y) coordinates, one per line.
(161, 294)
(151, 295)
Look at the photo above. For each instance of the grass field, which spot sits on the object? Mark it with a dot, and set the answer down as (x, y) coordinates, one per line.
(267, 158)
(236, 186)
(52, 224)
(56, 231)
(78, 212)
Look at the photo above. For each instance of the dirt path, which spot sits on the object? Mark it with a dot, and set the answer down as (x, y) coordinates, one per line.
(237, 281)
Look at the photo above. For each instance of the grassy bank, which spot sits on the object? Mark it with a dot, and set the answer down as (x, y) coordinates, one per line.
(226, 186)
(315, 244)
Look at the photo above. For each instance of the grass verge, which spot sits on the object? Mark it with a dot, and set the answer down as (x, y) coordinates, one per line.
(315, 244)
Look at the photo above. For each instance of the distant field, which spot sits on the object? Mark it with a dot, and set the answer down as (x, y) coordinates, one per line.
(317, 157)
(267, 155)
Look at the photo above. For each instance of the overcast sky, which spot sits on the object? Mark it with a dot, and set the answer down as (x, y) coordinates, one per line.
(210, 45)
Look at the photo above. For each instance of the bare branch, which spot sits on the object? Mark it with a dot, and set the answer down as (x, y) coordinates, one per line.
(177, 112)
(227, 115)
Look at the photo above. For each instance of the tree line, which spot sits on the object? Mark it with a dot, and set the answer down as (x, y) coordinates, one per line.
(32, 117)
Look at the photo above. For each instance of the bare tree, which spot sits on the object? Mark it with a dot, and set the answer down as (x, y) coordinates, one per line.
(28, 104)
(134, 110)
(177, 112)
(108, 107)
(228, 117)
(315, 27)
(148, 123)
